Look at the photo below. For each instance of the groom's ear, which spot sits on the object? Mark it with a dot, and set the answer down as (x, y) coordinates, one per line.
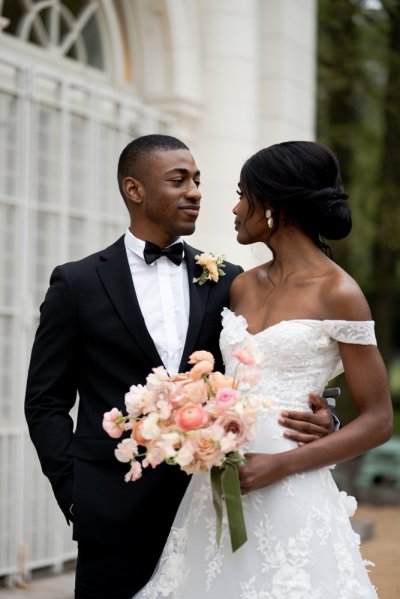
(133, 189)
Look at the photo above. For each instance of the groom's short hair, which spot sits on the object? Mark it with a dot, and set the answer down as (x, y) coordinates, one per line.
(138, 152)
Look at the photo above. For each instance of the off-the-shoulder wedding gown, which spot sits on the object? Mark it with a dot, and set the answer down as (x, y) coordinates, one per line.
(300, 541)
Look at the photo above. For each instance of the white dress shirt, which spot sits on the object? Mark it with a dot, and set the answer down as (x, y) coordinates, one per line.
(162, 290)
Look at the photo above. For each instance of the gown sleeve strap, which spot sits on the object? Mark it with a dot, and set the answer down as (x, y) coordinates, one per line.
(359, 332)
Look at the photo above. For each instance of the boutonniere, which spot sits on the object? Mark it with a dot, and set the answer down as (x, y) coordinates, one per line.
(212, 268)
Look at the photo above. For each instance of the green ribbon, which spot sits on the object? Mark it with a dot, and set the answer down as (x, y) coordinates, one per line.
(226, 486)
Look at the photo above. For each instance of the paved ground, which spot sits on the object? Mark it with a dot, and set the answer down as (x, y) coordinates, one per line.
(60, 586)
(383, 549)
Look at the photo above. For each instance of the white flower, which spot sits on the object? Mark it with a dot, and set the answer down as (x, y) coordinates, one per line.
(349, 502)
(150, 429)
(126, 450)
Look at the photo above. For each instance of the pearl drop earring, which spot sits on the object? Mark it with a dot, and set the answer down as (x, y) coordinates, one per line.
(270, 220)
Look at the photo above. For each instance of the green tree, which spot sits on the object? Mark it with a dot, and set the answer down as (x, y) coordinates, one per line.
(359, 118)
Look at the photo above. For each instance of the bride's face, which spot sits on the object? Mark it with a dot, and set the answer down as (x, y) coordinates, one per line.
(250, 221)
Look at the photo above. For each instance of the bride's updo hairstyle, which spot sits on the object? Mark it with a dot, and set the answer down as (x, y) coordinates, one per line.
(299, 181)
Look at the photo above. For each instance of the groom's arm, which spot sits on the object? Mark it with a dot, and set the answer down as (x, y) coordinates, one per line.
(51, 387)
(305, 427)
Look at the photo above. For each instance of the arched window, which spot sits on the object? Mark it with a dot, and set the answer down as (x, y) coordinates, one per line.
(68, 28)
(68, 105)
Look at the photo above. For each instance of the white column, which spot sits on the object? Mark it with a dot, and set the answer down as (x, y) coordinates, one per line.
(287, 71)
(227, 134)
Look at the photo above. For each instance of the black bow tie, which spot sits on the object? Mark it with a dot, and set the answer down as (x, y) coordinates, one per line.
(152, 252)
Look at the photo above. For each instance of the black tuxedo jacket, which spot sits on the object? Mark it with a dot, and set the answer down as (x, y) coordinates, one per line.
(92, 340)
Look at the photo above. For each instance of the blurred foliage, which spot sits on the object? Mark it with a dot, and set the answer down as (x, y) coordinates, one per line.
(359, 119)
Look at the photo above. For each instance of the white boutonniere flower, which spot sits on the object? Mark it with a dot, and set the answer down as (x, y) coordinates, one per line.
(212, 268)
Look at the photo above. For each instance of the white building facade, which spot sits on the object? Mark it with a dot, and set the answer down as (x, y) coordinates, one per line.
(78, 81)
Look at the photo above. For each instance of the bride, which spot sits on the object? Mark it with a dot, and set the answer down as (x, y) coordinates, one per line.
(310, 321)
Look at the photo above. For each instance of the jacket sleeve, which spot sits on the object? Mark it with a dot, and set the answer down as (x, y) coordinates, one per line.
(52, 386)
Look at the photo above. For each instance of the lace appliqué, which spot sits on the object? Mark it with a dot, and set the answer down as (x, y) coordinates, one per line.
(357, 332)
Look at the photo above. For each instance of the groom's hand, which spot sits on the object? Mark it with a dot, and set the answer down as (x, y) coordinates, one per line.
(308, 426)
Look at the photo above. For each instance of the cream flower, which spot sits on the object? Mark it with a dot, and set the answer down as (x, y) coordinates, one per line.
(212, 268)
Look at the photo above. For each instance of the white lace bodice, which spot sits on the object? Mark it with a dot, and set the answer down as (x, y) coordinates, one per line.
(297, 356)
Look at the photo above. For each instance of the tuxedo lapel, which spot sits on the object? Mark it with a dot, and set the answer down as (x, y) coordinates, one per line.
(117, 279)
(198, 295)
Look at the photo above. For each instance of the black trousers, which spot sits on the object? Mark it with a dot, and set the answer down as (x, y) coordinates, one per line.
(108, 572)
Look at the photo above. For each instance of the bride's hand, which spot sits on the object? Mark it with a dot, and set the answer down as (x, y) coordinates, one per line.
(308, 426)
(260, 470)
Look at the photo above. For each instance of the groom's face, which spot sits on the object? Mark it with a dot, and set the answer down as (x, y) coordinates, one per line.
(168, 189)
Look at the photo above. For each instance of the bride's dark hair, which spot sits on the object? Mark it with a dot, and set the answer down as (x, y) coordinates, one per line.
(300, 181)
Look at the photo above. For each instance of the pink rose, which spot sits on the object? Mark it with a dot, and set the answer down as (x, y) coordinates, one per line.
(113, 423)
(208, 450)
(225, 397)
(244, 356)
(191, 416)
(233, 423)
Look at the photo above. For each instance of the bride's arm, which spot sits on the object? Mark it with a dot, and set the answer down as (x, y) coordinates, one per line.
(368, 385)
(367, 380)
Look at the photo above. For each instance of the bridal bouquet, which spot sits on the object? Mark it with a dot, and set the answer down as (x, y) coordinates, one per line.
(197, 420)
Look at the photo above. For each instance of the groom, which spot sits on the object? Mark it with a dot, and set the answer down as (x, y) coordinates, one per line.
(106, 321)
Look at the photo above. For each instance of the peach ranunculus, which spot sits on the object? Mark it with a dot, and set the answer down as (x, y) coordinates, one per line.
(196, 392)
(113, 423)
(203, 364)
(191, 416)
(217, 380)
(244, 356)
(181, 378)
(201, 356)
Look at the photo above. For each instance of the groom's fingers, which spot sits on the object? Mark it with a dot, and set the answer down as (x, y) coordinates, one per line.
(300, 431)
(304, 426)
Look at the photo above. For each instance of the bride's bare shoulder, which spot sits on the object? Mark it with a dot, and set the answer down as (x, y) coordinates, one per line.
(343, 297)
